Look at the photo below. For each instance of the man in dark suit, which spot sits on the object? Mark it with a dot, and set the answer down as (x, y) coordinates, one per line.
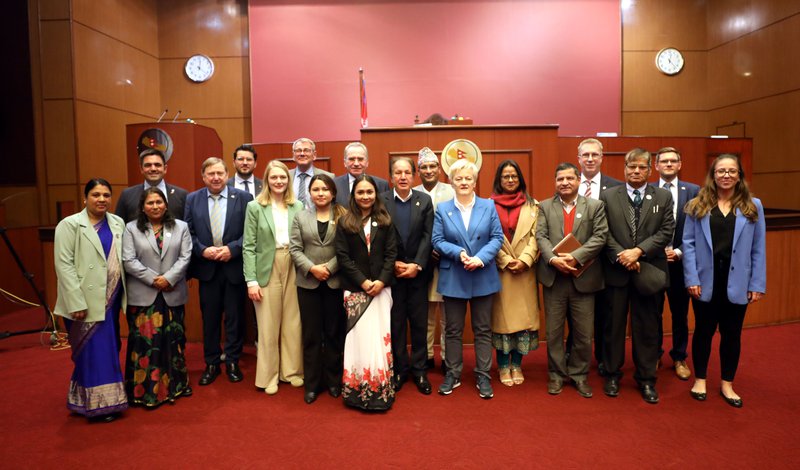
(640, 225)
(668, 164)
(245, 161)
(304, 153)
(356, 161)
(564, 294)
(215, 215)
(592, 183)
(412, 217)
(154, 167)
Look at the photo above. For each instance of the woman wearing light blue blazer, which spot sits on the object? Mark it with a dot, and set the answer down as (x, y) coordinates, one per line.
(467, 233)
(725, 268)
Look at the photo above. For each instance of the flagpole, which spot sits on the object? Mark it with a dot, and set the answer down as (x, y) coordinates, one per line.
(362, 85)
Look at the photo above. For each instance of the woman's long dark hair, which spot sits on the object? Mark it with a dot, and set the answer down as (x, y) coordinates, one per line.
(141, 220)
(706, 199)
(338, 210)
(353, 221)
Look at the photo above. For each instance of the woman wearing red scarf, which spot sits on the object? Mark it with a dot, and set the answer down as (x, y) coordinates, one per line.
(515, 311)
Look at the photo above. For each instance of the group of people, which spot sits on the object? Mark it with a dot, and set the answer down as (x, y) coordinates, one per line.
(342, 270)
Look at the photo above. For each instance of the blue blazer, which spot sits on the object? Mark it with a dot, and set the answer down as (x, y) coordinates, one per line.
(748, 262)
(483, 239)
(199, 222)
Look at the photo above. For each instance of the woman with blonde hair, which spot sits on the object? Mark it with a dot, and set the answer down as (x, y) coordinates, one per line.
(725, 268)
(270, 276)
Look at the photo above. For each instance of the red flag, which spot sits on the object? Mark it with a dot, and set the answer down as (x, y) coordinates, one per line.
(363, 90)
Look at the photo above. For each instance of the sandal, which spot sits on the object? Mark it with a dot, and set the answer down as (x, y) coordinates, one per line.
(505, 376)
(516, 375)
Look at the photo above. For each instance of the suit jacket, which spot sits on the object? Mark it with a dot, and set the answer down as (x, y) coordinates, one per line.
(441, 192)
(748, 257)
(590, 227)
(143, 262)
(199, 222)
(343, 188)
(654, 233)
(259, 184)
(418, 248)
(258, 249)
(608, 182)
(128, 202)
(483, 239)
(316, 171)
(80, 264)
(308, 249)
(686, 192)
(358, 264)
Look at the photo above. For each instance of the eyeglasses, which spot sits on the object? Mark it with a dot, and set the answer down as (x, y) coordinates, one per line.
(509, 177)
(308, 151)
(726, 171)
(592, 155)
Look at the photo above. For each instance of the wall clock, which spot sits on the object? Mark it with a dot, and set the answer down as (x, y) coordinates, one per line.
(199, 68)
(669, 61)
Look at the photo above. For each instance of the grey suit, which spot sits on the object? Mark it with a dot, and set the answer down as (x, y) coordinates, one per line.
(314, 171)
(307, 249)
(565, 295)
(143, 262)
(639, 290)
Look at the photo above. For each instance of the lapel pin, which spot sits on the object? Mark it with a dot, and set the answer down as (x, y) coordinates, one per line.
(450, 214)
(648, 197)
(578, 215)
(169, 234)
(417, 203)
(683, 188)
(374, 224)
(172, 190)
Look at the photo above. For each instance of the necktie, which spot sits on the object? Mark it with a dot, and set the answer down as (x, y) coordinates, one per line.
(667, 186)
(637, 198)
(302, 191)
(216, 221)
(588, 193)
(246, 185)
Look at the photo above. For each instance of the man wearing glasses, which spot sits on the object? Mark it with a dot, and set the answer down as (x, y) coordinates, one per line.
(304, 152)
(640, 226)
(245, 160)
(356, 162)
(668, 164)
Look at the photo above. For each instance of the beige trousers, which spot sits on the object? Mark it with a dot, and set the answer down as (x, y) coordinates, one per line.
(280, 346)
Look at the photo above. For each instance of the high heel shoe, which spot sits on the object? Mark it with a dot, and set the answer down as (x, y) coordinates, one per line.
(734, 402)
(699, 396)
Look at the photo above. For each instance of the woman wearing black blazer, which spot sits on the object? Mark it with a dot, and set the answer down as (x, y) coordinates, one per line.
(366, 249)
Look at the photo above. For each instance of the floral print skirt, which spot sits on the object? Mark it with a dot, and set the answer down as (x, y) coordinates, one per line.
(367, 379)
(155, 370)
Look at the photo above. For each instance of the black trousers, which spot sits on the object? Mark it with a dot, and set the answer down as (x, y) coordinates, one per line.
(730, 318)
(410, 313)
(219, 296)
(644, 332)
(323, 317)
(678, 299)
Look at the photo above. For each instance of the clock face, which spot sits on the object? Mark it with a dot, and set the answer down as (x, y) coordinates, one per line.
(199, 68)
(669, 61)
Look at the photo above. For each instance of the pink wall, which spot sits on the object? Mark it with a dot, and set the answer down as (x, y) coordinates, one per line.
(499, 62)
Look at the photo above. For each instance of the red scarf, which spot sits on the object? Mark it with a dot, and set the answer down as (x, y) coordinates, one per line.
(508, 208)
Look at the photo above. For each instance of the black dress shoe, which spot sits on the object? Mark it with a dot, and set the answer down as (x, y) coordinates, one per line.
(335, 391)
(187, 392)
(104, 418)
(649, 394)
(430, 364)
(423, 384)
(611, 387)
(310, 397)
(233, 372)
(734, 402)
(399, 380)
(699, 396)
(209, 375)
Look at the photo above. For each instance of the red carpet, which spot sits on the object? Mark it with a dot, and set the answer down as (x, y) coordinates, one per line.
(235, 426)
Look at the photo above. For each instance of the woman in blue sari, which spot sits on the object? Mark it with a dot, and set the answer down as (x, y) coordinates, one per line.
(91, 291)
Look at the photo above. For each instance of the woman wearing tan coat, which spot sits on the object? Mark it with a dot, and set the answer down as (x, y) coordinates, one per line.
(515, 311)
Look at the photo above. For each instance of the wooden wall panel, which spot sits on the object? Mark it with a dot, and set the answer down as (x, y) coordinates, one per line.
(645, 88)
(783, 264)
(652, 25)
(687, 123)
(217, 28)
(233, 132)
(64, 193)
(225, 95)
(54, 9)
(756, 65)
(731, 19)
(26, 243)
(21, 206)
(114, 74)
(59, 141)
(132, 22)
(56, 59)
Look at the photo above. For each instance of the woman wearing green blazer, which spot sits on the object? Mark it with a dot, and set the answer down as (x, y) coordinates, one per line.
(270, 276)
(91, 291)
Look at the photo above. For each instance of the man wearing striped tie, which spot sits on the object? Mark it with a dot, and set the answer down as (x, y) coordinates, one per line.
(215, 215)
(304, 153)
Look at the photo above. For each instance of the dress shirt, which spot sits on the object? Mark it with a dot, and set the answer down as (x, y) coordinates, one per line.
(631, 189)
(238, 183)
(296, 181)
(281, 217)
(674, 191)
(223, 205)
(596, 188)
(466, 211)
(161, 185)
(568, 206)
